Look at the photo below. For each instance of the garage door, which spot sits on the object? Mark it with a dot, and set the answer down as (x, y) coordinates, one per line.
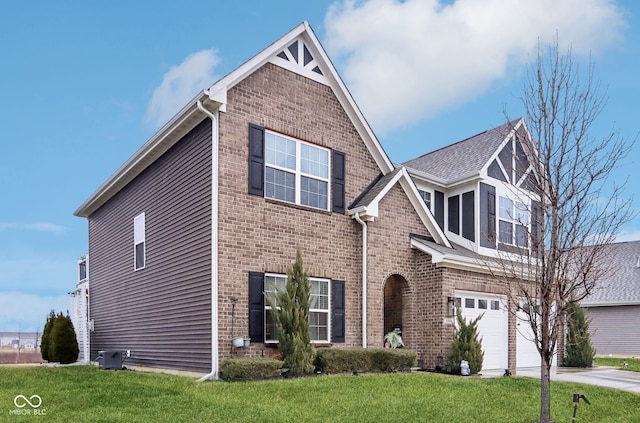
(527, 354)
(493, 326)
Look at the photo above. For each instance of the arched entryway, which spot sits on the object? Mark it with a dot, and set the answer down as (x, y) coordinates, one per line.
(397, 306)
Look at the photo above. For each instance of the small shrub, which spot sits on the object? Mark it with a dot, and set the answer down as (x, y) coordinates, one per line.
(63, 344)
(466, 345)
(344, 360)
(46, 332)
(386, 360)
(292, 320)
(579, 351)
(250, 368)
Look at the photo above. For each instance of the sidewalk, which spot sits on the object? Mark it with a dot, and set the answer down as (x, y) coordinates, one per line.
(600, 376)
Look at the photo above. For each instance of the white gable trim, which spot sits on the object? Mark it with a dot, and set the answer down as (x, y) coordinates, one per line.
(215, 99)
(370, 211)
(330, 77)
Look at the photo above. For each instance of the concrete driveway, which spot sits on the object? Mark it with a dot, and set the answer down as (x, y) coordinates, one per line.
(601, 376)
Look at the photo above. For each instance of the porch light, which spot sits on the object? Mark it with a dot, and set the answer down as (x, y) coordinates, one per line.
(451, 307)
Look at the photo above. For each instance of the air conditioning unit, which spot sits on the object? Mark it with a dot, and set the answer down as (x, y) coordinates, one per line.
(110, 360)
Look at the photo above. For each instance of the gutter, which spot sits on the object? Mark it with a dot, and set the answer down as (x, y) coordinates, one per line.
(214, 243)
(364, 278)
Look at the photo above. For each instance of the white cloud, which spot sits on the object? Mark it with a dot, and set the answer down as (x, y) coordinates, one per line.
(180, 84)
(28, 312)
(35, 226)
(405, 61)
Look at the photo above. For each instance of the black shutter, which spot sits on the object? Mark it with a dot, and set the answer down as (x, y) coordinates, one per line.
(438, 204)
(537, 235)
(337, 181)
(256, 306)
(337, 311)
(454, 214)
(468, 218)
(487, 216)
(256, 160)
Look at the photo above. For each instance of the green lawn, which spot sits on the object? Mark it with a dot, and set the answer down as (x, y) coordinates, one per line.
(633, 363)
(86, 394)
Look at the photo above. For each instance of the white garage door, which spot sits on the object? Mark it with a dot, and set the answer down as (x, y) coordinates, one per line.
(493, 326)
(526, 352)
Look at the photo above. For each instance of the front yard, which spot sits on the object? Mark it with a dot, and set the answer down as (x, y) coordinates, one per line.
(86, 394)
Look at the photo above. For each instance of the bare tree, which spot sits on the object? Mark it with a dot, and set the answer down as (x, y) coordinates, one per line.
(567, 209)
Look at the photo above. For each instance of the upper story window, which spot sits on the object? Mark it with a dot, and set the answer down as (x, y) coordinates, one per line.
(296, 172)
(318, 307)
(426, 197)
(82, 269)
(139, 252)
(513, 222)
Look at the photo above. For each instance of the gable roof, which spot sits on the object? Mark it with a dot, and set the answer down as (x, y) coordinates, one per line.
(299, 51)
(366, 206)
(623, 286)
(464, 159)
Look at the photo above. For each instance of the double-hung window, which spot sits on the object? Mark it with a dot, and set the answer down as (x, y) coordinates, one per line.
(318, 309)
(296, 172)
(513, 222)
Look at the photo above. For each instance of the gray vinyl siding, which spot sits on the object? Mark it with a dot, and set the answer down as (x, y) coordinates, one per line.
(161, 313)
(615, 329)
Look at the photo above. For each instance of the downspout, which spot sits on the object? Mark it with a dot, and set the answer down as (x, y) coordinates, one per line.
(214, 243)
(364, 279)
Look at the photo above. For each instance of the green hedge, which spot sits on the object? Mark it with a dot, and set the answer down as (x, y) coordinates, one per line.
(250, 368)
(342, 360)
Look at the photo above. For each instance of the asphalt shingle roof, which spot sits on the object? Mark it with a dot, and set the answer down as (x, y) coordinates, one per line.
(464, 158)
(372, 192)
(623, 286)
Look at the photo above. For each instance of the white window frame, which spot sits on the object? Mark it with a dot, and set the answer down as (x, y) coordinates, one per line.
(422, 193)
(83, 263)
(267, 308)
(297, 172)
(518, 216)
(139, 238)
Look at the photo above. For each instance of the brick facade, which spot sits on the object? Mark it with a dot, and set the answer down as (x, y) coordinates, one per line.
(257, 234)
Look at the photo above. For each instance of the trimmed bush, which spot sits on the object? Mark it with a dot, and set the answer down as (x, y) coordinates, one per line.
(46, 332)
(386, 360)
(250, 368)
(344, 360)
(63, 344)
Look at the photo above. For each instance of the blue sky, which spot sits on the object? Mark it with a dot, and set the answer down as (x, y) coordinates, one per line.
(85, 84)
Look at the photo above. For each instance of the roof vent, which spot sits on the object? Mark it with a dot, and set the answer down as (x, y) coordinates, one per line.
(638, 262)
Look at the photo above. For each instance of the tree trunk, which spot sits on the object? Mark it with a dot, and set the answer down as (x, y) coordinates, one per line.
(545, 392)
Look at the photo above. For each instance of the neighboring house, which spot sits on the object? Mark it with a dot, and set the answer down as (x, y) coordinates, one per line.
(80, 309)
(613, 307)
(20, 339)
(480, 191)
(188, 234)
